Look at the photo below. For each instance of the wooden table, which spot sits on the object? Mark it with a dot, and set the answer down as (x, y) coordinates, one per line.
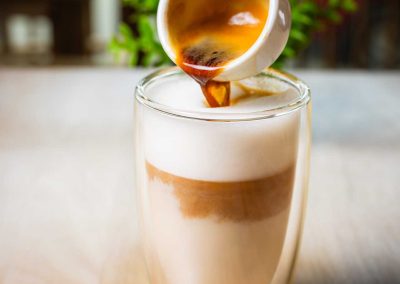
(66, 178)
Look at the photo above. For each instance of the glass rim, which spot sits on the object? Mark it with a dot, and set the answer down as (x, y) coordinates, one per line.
(300, 101)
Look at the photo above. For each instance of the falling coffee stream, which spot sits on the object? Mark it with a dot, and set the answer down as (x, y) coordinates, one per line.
(208, 34)
(202, 63)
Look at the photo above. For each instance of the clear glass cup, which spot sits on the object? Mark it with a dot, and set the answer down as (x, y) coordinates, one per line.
(221, 195)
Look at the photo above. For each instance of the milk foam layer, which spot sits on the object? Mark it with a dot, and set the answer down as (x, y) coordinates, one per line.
(220, 151)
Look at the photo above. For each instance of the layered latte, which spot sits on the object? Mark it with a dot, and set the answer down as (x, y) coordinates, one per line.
(216, 195)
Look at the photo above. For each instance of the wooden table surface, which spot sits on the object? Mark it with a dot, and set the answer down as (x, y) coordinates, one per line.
(67, 191)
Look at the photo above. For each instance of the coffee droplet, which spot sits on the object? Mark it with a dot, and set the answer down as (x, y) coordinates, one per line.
(208, 34)
(206, 54)
(217, 93)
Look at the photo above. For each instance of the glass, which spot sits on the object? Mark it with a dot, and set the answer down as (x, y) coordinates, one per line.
(221, 194)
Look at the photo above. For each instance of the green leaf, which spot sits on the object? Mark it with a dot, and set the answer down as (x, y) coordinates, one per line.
(134, 59)
(334, 3)
(334, 16)
(349, 5)
(142, 5)
(307, 7)
(298, 35)
(289, 52)
(125, 30)
(301, 18)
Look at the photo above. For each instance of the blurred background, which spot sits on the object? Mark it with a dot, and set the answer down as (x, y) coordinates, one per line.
(66, 136)
(327, 33)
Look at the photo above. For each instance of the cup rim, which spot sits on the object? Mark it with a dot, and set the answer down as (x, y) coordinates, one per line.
(303, 98)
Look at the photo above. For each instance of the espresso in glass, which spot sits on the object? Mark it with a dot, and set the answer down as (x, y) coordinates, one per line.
(221, 189)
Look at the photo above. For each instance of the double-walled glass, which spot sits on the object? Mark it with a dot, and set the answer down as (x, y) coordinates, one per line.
(221, 194)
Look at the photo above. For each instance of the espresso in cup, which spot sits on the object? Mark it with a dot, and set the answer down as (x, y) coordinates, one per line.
(206, 35)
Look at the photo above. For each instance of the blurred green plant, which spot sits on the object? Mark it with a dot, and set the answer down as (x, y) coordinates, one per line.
(139, 46)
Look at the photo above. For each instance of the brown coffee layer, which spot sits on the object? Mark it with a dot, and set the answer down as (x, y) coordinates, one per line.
(235, 201)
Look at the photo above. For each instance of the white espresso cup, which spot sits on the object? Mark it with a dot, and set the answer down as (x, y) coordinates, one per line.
(265, 50)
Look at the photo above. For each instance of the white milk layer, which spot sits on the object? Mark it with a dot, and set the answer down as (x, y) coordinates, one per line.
(219, 151)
